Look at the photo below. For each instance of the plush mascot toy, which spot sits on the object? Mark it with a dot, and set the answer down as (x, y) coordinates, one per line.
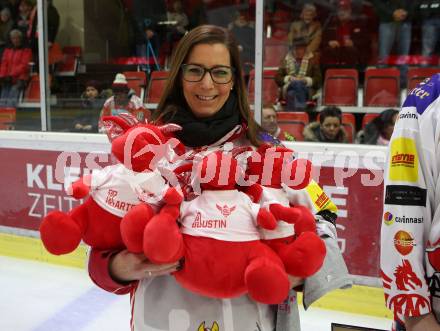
(298, 245)
(223, 254)
(116, 189)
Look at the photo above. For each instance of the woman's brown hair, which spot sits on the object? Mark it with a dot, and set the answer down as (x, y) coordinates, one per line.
(173, 95)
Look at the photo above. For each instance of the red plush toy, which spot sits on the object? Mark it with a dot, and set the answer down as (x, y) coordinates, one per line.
(299, 247)
(224, 256)
(116, 189)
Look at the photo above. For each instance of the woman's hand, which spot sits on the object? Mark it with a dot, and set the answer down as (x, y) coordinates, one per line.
(422, 323)
(126, 267)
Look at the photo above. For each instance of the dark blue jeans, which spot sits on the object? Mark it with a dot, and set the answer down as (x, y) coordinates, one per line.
(430, 35)
(297, 95)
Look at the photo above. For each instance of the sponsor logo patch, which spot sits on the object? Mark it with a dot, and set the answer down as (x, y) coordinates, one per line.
(404, 160)
(411, 116)
(405, 195)
(404, 242)
(389, 219)
(320, 200)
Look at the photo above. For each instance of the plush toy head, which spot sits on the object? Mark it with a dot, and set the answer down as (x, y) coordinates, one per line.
(273, 166)
(141, 146)
(217, 171)
(97, 221)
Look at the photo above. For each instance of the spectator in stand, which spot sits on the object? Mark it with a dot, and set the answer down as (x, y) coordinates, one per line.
(53, 24)
(179, 16)
(14, 69)
(395, 26)
(329, 128)
(379, 130)
(92, 102)
(147, 15)
(345, 39)
(307, 28)
(179, 24)
(6, 24)
(269, 123)
(429, 11)
(299, 76)
(23, 21)
(123, 100)
(244, 31)
(12, 5)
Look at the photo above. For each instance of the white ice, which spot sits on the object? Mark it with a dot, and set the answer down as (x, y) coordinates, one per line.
(38, 296)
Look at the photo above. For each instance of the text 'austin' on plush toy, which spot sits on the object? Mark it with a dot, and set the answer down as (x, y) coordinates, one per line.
(223, 254)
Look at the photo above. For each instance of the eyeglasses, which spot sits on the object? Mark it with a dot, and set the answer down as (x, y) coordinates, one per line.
(195, 73)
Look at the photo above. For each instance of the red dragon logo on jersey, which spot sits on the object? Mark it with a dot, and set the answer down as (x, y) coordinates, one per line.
(225, 210)
(405, 276)
(405, 304)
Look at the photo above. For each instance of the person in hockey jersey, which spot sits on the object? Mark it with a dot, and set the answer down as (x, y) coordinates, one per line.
(410, 235)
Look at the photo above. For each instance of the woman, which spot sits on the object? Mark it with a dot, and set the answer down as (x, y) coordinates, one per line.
(379, 130)
(329, 128)
(206, 96)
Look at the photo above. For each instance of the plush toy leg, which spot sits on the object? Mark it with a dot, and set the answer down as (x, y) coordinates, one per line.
(265, 277)
(133, 225)
(163, 242)
(59, 233)
(306, 222)
(172, 197)
(304, 256)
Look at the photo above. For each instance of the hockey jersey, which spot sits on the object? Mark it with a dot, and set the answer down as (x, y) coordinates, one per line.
(410, 233)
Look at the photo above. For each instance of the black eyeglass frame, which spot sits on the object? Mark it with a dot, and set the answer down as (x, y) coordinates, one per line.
(205, 70)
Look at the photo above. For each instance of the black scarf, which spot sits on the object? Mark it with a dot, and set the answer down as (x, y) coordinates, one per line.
(197, 132)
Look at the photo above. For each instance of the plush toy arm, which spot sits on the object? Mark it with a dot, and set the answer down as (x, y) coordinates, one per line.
(266, 220)
(287, 214)
(80, 188)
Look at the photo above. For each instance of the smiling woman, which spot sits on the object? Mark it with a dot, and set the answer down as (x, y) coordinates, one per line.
(206, 96)
(214, 114)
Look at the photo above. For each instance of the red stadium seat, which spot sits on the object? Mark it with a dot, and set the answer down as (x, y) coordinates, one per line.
(270, 88)
(7, 118)
(293, 122)
(368, 118)
(382, 87)
(137, 80)
(348, 118)
(274, 53)
(349, 125)
(417, 75)
(340, 87)
(156, 86)
(32, 91)
(69, 65)
(283, 116)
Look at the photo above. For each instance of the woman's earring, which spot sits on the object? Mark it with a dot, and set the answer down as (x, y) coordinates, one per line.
(232, 87)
